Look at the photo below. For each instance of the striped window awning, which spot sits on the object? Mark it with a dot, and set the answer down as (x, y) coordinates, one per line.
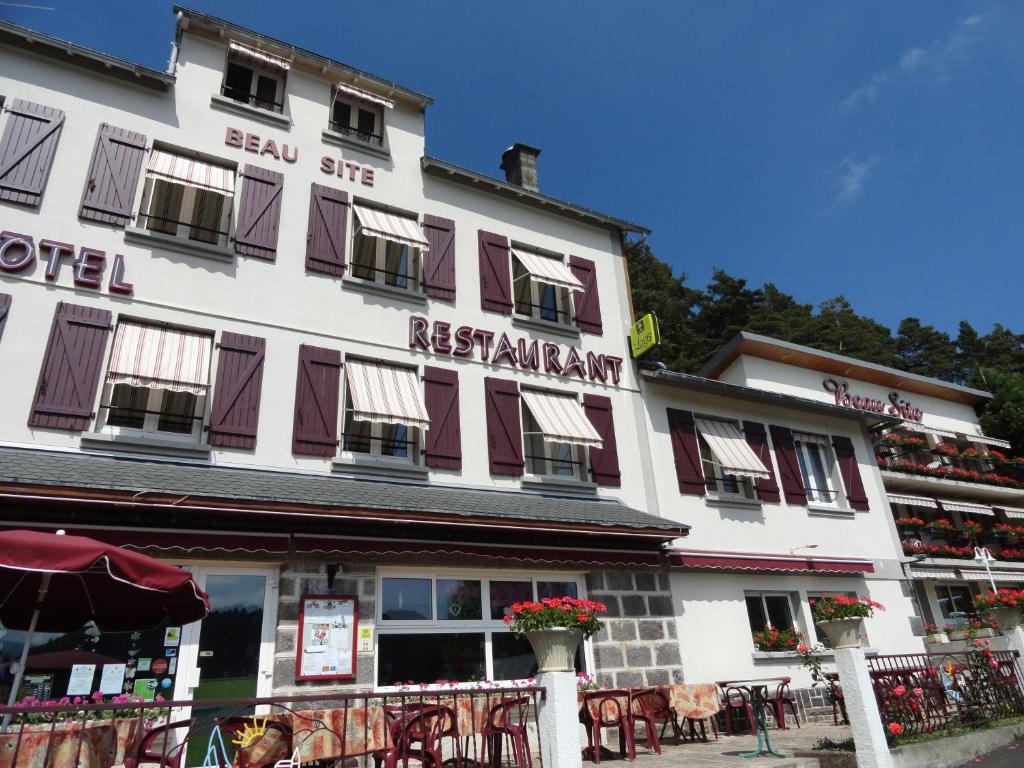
(913, 501)
(916, 426)
(991, 441)
(388, 226)
(160, 358)
(548, 270)
(386, 394)
(1014, 514)
(561, 418)
(730, 448)
(359, 93)
(979, 575)
(190, 172)
(933, 573)
(963, 506)
(256, 55)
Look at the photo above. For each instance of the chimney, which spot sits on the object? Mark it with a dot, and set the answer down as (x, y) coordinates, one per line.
(519, 162)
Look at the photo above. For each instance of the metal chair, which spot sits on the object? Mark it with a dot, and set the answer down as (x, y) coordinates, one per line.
(784, 699)
(508, 718)
(736, 700)
(650, 706)
(610, 714)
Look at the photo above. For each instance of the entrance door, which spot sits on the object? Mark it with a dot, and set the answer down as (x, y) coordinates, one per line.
(229, 654)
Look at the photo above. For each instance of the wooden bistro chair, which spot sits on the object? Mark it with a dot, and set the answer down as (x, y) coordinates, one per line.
(607, 709)
(508, 719)
(650, 706)
(737, 701)
(783, 698)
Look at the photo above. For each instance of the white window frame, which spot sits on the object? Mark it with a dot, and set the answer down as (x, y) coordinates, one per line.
(549, 451)
(152, 419)
(792, 598)
(276, 74)
(937, 604)
(831, 496)
(564, 305)
(485, 626)
(716, 486)
(379, 277)
(353, 119)
(413, 434)
(185, 212)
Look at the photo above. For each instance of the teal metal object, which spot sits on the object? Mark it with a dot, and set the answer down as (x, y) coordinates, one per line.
(764, 744)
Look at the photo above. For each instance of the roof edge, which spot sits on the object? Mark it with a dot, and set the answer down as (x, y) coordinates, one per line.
(421, 99)
(90, 59)
(740, 343)
(739, 391)
(434, 166)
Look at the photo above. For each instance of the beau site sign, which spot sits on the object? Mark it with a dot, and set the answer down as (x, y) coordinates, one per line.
(644, 335)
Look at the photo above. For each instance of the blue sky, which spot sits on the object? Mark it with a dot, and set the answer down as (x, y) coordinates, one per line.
(872, 149)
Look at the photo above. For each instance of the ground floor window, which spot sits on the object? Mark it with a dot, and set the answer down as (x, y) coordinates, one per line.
(955, 601)
(442, 626)
(769, 610)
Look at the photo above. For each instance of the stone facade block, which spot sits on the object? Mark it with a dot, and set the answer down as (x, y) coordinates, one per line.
(619, 582)
(667, 654)
(629, 679)
(623, 630)
(659, 605)
(595, 582)
(638, 656)
(284, 672)
(285, 639)
(288, 610)
(634, 606)
(651, 630)
(611, 603)
(663, 582)
(645, 582)
(367, 610)
(608, 657)
(657, 677)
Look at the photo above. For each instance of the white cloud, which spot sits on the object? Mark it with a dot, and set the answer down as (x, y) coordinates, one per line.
(931, 64)
(851, 174)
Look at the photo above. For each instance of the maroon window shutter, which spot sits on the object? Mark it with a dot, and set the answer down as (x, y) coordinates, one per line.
(439, 260)
(236, 392)
(26, 151)
(504, 426)
(5, 310)
(71, 368)
(109, 193)
(444, 438)
(850, 472)
(315, 432)
(757, 439)
(686, 452)
(604, 461)
(328, 227)
(495, 273)
(259, 213)
(789, 468)
(586, 302)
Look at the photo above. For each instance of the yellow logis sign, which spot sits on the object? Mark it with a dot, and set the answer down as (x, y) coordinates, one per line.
(644, 335)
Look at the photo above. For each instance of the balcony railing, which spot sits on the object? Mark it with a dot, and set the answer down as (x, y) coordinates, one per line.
(931, 693)
(947, 465)
(467, 726)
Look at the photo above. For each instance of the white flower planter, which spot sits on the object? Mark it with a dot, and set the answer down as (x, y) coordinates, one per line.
(938, 637)
(1008, 618)
(555, 648)
(844, 633)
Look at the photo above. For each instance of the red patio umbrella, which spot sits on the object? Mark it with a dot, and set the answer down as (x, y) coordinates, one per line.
(57, 583)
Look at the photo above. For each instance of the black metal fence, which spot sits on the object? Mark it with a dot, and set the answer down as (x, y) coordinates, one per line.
(932, 692)
(496, 726)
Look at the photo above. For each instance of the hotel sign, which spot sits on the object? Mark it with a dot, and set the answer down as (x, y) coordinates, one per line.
(896, 406)
(467, 341)
(18, 253)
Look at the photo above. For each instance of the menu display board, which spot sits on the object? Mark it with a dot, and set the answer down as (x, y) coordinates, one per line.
(326, 647)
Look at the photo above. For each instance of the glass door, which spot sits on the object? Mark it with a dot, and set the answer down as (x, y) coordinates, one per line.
(229, 654)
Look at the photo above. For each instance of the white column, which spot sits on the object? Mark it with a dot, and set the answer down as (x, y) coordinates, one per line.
(558, 720)
(862, 709)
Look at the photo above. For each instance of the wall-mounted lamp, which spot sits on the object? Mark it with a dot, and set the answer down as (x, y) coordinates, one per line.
(805, 546)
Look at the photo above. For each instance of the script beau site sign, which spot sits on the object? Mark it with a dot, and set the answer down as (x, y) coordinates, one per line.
(644, 335)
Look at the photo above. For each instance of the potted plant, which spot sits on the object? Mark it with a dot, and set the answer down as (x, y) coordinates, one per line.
(909, 527)
(1005, 533)
(773, 639)
(947, 449)
(935, 635)
(555, 627)
(842, 618)
(1003, 606)
(971, 529)
(942, 527)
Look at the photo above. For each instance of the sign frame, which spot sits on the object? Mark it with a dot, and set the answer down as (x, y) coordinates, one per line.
(300, 645)
(641, 326)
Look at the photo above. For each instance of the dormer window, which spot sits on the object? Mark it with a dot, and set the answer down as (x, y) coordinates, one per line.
(359, 114)
(543, 287)
(255, 77)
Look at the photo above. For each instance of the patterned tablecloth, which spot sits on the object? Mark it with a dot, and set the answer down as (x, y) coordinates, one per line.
(362, 730)
(693, 700)
(69, 746)
(598, 705)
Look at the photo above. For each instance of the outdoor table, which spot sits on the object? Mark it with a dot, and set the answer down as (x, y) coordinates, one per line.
(328, 734)
(694, 703)
(757, 689)
(69, 746)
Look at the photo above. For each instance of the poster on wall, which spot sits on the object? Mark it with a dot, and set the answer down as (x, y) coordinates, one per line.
(327, 637)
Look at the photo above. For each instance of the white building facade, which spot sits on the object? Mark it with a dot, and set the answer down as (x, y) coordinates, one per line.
(250, 326)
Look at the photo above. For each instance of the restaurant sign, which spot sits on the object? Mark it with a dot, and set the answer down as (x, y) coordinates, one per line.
(467, 341)
(896, 406)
